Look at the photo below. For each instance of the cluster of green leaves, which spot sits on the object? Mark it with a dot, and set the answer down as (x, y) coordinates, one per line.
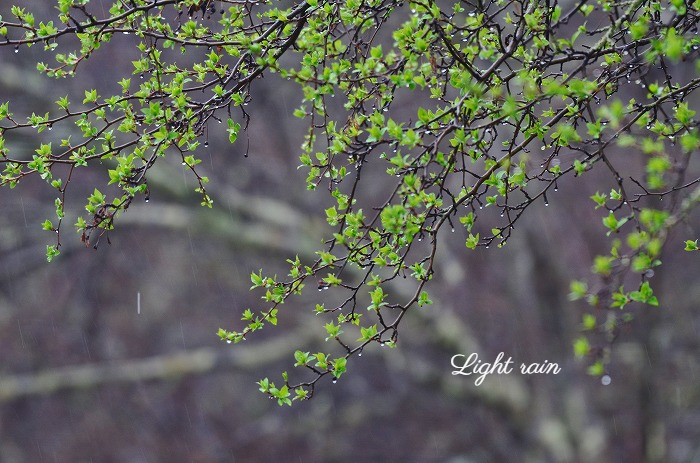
(505, 98)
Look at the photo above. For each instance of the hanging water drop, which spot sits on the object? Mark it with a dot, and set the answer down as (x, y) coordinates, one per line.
(206, 144)
(335, 380)
(453, 230)
(605, 380)
(16, 48)
(360, 354)
(228, 341)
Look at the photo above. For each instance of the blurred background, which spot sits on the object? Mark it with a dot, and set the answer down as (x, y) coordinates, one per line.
(111, 355)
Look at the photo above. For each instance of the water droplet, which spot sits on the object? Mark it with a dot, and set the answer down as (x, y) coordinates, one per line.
(381, 344)
(453, 230)
(206, 144)
(50, 127)
(16, 48)
(228, 341)
(335, 380)
(360, 354)
(605, 380)
(147, 199)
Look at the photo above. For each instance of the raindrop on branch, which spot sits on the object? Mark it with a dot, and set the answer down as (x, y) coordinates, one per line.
(605, 380)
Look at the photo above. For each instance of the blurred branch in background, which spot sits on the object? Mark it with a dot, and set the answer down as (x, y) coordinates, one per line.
(163, 367)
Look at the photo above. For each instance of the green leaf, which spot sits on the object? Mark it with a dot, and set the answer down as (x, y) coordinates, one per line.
(581, 347)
